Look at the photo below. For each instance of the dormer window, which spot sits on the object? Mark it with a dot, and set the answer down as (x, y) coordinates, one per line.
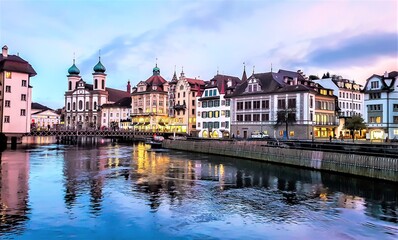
(374, 84)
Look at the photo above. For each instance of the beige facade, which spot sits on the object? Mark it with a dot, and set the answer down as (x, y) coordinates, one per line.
(149, 104)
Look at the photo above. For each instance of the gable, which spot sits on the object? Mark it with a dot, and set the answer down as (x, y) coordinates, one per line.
(374, 83)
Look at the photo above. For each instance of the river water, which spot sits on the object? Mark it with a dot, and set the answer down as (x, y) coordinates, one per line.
(127, 191)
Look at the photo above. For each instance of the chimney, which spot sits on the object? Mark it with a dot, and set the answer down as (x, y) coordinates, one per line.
(128, 87)
(385, 73)
(5, 51)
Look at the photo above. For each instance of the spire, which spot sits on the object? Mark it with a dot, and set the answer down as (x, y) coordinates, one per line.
(244, 76)
(253, 68)
(128, 86)
(99, 68)
(156, 70)
(174, 79)
(217, 70)
(271, 67)
(182, 72)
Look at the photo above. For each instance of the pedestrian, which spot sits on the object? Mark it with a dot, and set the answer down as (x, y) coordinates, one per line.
(330, 138)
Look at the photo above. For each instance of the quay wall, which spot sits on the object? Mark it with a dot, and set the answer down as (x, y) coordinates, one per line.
(385, 168)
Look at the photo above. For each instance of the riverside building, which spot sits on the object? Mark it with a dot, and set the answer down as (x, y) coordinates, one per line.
(15, 95)
(381, 106)
(83, 101)
(284, 104)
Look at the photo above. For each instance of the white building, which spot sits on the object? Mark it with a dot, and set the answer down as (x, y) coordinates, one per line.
(117, 115)
(44, 118)
(15, 95)
(381, 102)
(213, 109)
(83, 101)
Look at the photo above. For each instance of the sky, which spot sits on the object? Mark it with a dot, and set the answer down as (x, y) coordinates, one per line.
(351, 38)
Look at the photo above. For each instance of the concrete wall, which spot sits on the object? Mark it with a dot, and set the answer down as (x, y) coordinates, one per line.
(362, 165)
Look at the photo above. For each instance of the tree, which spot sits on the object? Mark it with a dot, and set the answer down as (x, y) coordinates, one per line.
(313, 77)
(353, 124)
(286, 116)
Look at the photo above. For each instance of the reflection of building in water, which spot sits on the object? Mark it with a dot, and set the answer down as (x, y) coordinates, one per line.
(351, 202)
(82, 173)
(14, 185)
(157, 175)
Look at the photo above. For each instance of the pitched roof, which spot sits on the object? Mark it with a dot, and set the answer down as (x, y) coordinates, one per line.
(35, 105)
(220, 81)
(15, 63)
(124, 102)
(114, 95)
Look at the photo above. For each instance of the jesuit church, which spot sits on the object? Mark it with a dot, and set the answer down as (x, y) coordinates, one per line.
(83, 101)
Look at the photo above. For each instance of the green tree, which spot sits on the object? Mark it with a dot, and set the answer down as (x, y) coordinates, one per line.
(353, 124)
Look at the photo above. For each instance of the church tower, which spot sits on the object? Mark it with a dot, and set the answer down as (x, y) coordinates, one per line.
(99, 76)
(73, 77)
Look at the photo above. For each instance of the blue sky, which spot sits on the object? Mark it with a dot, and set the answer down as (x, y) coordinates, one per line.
(352, 38)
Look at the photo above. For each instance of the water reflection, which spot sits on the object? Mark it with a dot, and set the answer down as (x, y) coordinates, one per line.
(169, 194)
(14, 187)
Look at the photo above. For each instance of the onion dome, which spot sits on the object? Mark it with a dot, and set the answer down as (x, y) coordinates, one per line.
(156, 70)
(99, 68)
(73, 70)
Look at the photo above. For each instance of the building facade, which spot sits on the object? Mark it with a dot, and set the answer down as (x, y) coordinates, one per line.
(184, 109)
(350, 100)
(15, 95)
(381, 106)
(214, 109)
(44, 118)
(83, 101)
(149, 104)
(117, 115)
(285, 104)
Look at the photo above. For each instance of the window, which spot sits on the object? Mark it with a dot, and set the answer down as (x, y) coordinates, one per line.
(210, 103)
(374, 84)
(95, 83)
(291, 103)
(68, 106)
(256, 117)
(256, 104)
(248, 117)
(239, 105)
(23, 97)
(265, 117)
(193, 111)
(23, 83)
(216, 114)
(103, 84)
(228, 102)
(87, 105)
(395, 119)
(214, 92)
(204, 104)
(6, 119)
(7, 103)
(239, 118)
(111, 114)
(311, 102)
(248, 105)
(216, 103)
(80, 105)
(265, 104)
(183, 94)
(227, 113)
(204, 114)
(281, 103)
(395, 107)
(23, 112)
(70, 85)
(104, 114)
(8, 88)
(74, 106)
(206, 93)
(193, 102)
(8, 75)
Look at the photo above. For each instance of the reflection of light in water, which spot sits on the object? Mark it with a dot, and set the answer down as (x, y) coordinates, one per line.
(222, 176)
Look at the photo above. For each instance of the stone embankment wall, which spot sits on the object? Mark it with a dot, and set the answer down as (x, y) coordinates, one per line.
(369, 166)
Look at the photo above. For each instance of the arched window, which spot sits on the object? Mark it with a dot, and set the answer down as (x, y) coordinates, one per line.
(74, 106)
(68, 106)
(103, 84)
(80, 105)
(95, 105)
(87, 105)
(70, 85)
(95, 83)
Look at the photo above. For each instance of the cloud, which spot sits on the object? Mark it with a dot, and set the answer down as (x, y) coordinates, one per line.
(356, 50)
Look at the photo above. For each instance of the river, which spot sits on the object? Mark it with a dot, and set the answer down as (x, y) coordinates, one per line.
(106, 190)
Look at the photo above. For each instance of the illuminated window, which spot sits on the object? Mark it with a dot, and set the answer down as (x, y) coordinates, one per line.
(378, 119)
(291, 133)
(8, 75)
(281, 133)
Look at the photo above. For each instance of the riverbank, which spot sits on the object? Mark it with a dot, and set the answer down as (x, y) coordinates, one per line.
(385, 168)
